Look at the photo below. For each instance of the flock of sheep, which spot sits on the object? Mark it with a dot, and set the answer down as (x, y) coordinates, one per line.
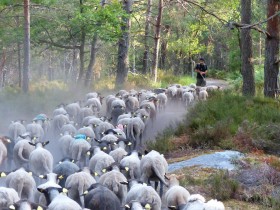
(93, 160)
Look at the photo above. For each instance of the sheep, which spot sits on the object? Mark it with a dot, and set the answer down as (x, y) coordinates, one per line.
(22, 182)
(112, 180)
(131, 103)
(59, 110)
(101, 128)
(16, 129)
(84, 112)
(3, 148)
(153, 166)
(116, 111)
(58, 122)
(92, 95)
(26, 205)
(21, 153)
(73, 110)
(99, 161)
(40, 159)
(35, 130)
(65, 143)
(162, 101)
(136, 129)
(68, 129)
(195, 202)
(212, 87)
(99, 197)
(188, 98)
(203, 95)
(8, 196)
(88, 132)
(43, 120)
(131, 164)
(94, 122)
(213, 204)
(176, 195)
(150, 108)
(172, 92)
(65, 168)
(77, 183)
(108, 100)
(120, 152)
(124, 123)
(95, 104)
(57, 201)
(79, 148)
(143, 194)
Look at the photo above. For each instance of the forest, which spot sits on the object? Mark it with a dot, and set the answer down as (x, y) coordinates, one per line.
(83, 42)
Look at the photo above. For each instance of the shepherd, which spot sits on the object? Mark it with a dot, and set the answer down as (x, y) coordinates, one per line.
(201, 69)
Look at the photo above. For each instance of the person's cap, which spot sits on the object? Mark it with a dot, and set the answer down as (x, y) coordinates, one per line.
(201, 59)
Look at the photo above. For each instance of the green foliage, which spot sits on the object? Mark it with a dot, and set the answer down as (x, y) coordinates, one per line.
(219, 118)
(221, 186)
(162, 143)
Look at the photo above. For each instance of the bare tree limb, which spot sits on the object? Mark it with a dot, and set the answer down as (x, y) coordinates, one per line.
(262, 22)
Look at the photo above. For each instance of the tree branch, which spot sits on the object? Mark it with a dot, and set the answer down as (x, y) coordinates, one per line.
(59, 45)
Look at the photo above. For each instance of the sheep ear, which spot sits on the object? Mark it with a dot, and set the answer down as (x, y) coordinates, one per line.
(95, 174)
(88, 153)
(64, 190)
(86, 192)
(30, 173)
(45, 143)
(104, 170)
(31, 143)
(127, 206)
(166, 177)
(126, 168)
(125, 183)
(39, 208)
(41, 190)
(172, 207)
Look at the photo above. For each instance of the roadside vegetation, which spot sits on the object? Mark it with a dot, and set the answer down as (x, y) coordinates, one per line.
(230, 121)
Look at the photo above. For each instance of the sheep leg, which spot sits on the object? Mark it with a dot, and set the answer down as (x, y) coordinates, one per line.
(156, 185)
(161, 189)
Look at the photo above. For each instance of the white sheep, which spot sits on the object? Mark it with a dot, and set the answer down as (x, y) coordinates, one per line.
(153, 167)
(131, 103)
(78, 183)
(162, 101)
(195, 202)
(59, 110)
(188, 98)
(203, 95)
(213, 204)
(68, 129)
(3, 148)
(78, 150)
(112, 180)
(22, 182)
(99, 161)
(131, 164)
(84, 112)
(120, 152)
(21, 153)
(8, 196)
(101, 128)
(73, 110)
(35, 130)
(136, 129)
(16, 129)
(40, 159)
(65, 143)
(57, 201)
(58, 122)
(176, 195)
(143, 194)
(95, 105)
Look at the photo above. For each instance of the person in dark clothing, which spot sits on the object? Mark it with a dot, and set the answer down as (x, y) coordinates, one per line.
(201, 69)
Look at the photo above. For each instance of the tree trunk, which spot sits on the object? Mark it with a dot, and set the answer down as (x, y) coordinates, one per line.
(163, 48)
(271, 64)
(26, 64)
(157, 40)
(2, 71)
(123, 60)
(146, 38)
(93, 52)
(82, 47)
(247, 68)
(18, 55)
